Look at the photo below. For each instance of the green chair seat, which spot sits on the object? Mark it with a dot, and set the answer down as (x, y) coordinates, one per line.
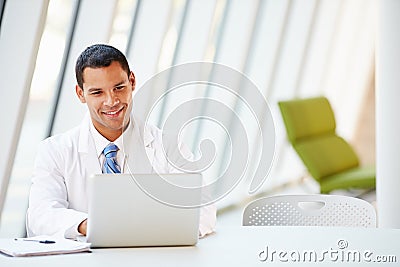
(326, 155)
(356, 178)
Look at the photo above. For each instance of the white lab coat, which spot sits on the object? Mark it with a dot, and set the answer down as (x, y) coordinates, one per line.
(58, 197)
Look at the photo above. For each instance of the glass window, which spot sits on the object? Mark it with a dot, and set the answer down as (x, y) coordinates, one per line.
(39, 109)
(124, 16)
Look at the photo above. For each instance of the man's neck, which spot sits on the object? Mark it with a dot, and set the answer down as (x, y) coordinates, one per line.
(112, 135)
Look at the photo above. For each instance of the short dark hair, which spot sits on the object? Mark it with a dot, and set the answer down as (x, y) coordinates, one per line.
(99, 56)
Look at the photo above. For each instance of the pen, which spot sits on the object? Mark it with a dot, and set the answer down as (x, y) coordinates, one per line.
(39, 241)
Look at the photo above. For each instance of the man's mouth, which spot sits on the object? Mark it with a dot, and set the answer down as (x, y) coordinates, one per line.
(113, 113)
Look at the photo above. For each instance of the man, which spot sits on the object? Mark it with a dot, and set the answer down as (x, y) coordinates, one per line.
(58, 197)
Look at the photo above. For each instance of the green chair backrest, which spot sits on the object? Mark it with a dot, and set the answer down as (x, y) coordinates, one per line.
(306, 118)
(311, 129)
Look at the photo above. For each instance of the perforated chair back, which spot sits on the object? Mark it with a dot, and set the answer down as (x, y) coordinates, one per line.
(309, 210)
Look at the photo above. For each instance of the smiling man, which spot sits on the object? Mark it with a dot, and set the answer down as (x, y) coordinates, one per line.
(58, 197)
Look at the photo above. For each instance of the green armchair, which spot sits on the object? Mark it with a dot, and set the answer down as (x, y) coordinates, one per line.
(331, 161)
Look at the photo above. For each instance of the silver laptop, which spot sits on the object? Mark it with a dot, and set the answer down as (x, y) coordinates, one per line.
(121, 214)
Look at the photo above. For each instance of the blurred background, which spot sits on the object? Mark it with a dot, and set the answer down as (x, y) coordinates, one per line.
(288, 48)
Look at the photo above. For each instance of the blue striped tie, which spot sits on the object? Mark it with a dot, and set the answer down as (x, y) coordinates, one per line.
(110, 164)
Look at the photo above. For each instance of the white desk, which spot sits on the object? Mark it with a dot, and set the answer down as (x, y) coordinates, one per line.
(246, 246)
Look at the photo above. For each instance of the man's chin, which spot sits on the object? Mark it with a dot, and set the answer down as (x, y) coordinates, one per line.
(115, 121)
(120, 126)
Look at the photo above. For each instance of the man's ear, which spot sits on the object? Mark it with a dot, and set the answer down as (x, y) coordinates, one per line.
(80, 94)
(132, 80)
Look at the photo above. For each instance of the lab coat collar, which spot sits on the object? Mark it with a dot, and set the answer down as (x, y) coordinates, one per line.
(85, 139)
(146, 136)
(147, 139)
(87, 146)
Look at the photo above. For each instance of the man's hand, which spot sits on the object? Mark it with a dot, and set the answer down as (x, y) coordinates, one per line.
(82, 227)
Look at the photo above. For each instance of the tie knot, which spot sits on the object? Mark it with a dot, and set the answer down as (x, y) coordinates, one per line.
(110, 151)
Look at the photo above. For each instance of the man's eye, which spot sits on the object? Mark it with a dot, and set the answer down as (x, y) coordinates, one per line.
(120, 87)
(95, 93)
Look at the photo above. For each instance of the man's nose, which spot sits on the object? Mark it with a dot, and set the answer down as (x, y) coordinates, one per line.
(111, 99)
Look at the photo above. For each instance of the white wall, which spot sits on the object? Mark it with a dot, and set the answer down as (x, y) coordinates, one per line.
(387, 114)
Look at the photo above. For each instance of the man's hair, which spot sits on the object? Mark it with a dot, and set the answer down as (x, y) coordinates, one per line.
(99, 56)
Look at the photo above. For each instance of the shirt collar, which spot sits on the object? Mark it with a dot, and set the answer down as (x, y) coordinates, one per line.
(101, 142)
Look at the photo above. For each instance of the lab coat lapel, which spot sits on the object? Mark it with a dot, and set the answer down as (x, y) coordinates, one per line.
(87, 149)
(150, 150)
(140, 149)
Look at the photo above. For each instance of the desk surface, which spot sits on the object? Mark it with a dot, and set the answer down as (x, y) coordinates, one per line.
(247, 246)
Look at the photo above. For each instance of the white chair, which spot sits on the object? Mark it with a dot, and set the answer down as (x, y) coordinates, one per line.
(309, 210)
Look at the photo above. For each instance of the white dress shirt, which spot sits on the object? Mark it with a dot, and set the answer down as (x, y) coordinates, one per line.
(101, 142)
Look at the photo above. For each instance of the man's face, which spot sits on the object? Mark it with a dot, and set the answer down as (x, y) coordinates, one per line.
(107, 92)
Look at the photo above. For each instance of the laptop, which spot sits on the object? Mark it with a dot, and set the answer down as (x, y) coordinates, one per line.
(121, 214)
